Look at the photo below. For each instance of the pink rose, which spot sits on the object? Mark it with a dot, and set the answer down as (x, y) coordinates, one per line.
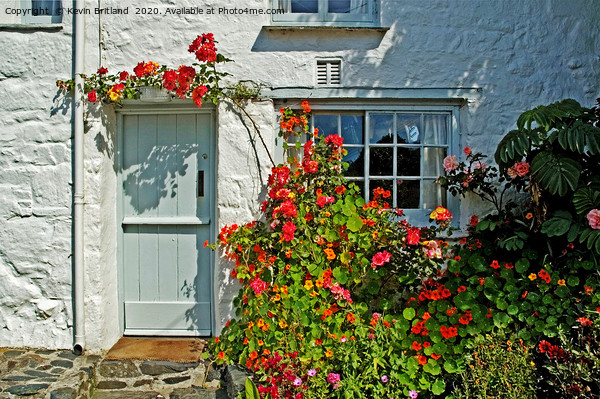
(594, 219)
(521, 168)
(413, 236)
(450, 163)
(511, 172)
(380, 258)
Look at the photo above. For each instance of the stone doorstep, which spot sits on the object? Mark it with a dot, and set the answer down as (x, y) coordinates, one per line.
(155, 379)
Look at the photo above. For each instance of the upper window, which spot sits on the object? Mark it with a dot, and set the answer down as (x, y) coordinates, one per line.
(327, 12)
(42, 11)
(400, 151)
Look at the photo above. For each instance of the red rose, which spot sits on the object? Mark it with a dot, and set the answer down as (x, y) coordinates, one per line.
(102, 71)
(92, 96)
(124, 75)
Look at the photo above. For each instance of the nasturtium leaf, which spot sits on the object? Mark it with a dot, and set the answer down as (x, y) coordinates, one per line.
(573, 281)
(354, 223)
(340, 275)
(522, 265)
(438, 387)
(450, 366)
(408, 313)
(512, 310)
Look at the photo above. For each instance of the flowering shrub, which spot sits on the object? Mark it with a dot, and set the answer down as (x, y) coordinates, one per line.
(325, 279)
(534, 268)
(198, 81)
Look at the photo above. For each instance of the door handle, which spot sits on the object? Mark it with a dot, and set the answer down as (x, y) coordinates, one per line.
(200, 183)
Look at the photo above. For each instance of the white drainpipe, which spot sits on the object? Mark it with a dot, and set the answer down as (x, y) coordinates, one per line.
(78, 186)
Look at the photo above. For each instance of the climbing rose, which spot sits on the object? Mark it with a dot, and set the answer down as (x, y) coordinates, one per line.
(92, 96)
(594, 219)
(380, 258)
(124, 75)
(413, 235)
(197, 95)
(450, 163)
(102, 71)
(440, 214)
(334, 139)
(521, 168)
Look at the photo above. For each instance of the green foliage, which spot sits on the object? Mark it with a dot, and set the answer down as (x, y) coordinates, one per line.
(498, 367)
(325, 278)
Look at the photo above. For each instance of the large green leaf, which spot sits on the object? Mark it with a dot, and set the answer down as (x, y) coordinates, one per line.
(512, 146)
(556, 173)
(592, 239)
(585, 199)
(546, 116)
(558, 224)
(250, 389)
(580, 137)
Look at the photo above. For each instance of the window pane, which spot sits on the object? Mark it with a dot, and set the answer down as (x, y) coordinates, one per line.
(408, 194)
(308, 6)
(385, 184)
(356, 159)
(434, 157)
(352, 129)
(409, 161)
(347, 6)
(380, 128)
(433, 195)
(409, 129)
(381, 161)
(436, 129)
(327, 124)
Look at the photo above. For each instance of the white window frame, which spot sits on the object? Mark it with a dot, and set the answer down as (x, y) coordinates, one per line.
(325, 18)
(416, 216)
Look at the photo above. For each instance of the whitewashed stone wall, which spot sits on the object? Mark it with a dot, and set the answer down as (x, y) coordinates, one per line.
(35, 190)
(518, 54)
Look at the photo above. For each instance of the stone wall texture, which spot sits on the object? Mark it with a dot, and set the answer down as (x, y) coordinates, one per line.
(517, 54)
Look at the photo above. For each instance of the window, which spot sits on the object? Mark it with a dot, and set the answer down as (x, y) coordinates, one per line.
(326, 12)
(399, 150)
(31, 12)
(42, 11)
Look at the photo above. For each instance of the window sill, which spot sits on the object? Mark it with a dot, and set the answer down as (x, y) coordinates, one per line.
(29, 27)
(311, 28)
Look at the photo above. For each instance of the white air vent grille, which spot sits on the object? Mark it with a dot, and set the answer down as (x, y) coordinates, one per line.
(329, 72)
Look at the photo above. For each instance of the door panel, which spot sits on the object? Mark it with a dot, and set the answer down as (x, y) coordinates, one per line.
(166, 271)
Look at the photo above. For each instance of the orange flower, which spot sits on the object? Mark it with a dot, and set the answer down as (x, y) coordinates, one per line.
(422, 360)
(330, 254)
(253, 355)
(329, 353)
(435, 357)
(561, 282)
(221, 355)
(529, 215)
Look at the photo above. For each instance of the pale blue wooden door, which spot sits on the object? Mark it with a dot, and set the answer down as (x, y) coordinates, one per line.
(167, 170)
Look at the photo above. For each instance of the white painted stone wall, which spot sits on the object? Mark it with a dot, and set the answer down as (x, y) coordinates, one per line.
(35, 190)
(519, 54)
